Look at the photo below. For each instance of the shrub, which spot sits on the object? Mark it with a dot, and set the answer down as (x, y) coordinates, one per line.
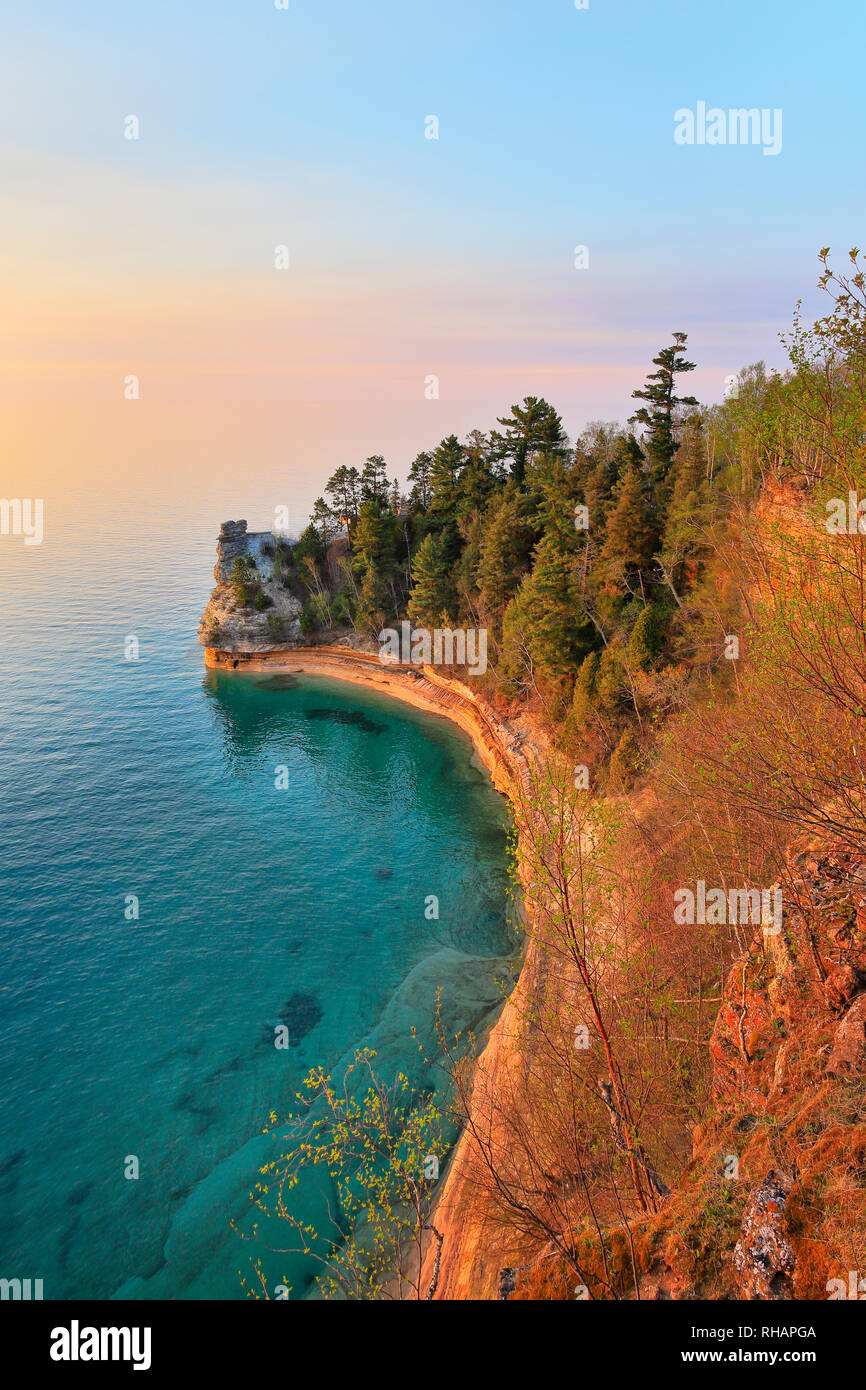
(244, 581)
(308, 616)
(341, 609)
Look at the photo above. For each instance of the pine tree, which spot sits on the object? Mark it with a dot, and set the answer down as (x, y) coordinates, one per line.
(544, 621)
(477, 479)
(625, 762)
(688, 512)
(447, 463)
(659, 415)
(530, 429)
(646, 637)
(344, 489)
(323, 521)
(555, 488)
(421, 490)
(376, 538)
(309, 543)
(432, 594)
(585, 688)
(374, 483)
(631, 536)
(370, 611)
(507, 540)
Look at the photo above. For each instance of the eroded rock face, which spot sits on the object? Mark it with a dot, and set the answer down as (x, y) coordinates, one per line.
(764, 1256)
(789, 1044)
(230, 626)
(232, 544)
(848, 1055)
(774, 992)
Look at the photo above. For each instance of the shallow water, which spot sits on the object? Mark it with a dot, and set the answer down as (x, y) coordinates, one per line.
(258, 905)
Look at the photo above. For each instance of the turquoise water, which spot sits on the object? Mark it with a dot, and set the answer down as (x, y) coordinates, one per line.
(154, 1038)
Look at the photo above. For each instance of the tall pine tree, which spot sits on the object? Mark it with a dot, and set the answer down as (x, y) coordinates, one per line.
(659, 414)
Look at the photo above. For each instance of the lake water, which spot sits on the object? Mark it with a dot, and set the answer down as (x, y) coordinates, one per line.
(154, 780)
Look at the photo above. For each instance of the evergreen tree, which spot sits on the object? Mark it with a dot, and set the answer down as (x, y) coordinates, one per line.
(309, 543)
(324, 522)
(646, 637)
(374, 483)
(631, 536)
(544, 623)
(477, 448)
(432, 595)
(585, 688)
(420, 476)
(344, 489)
(625, 762)
(506, 544)
(477, 479)
(555, 490)
(474, 488)
(688, 513)
(371, 606)
(529, 429)
(448, 461)
(659, 414)
(376, 538)
(601, 466)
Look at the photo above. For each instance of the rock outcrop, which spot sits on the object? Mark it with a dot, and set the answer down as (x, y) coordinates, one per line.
(234, 541)
(235, 628)
(763, 1256)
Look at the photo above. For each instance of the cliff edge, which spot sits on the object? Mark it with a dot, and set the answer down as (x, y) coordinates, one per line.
(250, 610)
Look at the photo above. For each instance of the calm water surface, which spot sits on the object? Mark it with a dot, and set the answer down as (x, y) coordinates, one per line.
(153, 778)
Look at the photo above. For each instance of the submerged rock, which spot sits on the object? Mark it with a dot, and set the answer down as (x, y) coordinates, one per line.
(347, 716)
(278, 683)
(300, 1014)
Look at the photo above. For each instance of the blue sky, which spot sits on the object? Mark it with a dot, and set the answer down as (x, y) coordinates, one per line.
(306, 127)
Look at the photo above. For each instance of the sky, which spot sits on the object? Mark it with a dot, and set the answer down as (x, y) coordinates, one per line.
(409, 257)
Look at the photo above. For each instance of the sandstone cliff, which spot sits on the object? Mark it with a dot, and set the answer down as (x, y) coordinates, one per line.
(235, 627)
